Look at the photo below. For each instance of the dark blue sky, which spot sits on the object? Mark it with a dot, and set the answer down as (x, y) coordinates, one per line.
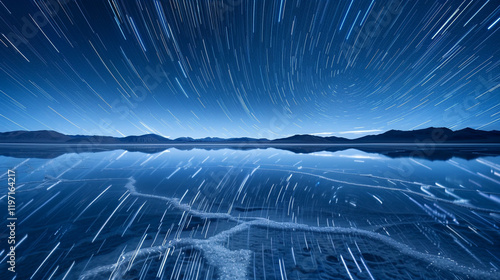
(248, 68)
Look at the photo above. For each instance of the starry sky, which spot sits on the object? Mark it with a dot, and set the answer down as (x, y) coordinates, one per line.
(264, 68)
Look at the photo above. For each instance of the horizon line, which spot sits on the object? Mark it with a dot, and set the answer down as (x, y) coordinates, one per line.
(318, 134)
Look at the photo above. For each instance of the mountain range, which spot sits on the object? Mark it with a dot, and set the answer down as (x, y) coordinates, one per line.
(433, 135)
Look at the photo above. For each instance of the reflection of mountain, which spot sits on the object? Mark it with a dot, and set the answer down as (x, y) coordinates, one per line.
(435, 152)
(430, 143)
(427, 135)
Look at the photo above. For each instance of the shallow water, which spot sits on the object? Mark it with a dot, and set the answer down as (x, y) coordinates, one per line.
(253, 214)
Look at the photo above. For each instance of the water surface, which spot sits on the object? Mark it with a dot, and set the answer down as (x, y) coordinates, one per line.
(254, 214)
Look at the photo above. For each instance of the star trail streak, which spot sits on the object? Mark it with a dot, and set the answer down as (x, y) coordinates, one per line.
(232, 68)
(255, 214)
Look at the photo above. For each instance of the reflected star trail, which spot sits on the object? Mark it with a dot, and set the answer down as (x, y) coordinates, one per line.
(231, 68)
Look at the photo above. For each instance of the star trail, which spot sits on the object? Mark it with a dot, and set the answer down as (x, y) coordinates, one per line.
(262, 68)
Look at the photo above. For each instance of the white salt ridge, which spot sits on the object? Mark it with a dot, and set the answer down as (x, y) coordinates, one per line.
(424, 188)
(235, 265)
(176, 203)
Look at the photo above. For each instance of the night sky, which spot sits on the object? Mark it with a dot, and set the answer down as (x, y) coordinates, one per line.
(248, 68)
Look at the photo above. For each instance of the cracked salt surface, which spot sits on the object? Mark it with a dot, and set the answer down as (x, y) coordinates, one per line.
(262, 214)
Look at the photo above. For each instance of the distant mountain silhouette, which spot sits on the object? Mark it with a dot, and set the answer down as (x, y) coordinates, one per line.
(433, 135)
(429, 135)
(429, 143)
(306, 138)
(41, 136)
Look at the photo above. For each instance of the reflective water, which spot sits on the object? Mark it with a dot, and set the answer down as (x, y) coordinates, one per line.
(253, 214)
